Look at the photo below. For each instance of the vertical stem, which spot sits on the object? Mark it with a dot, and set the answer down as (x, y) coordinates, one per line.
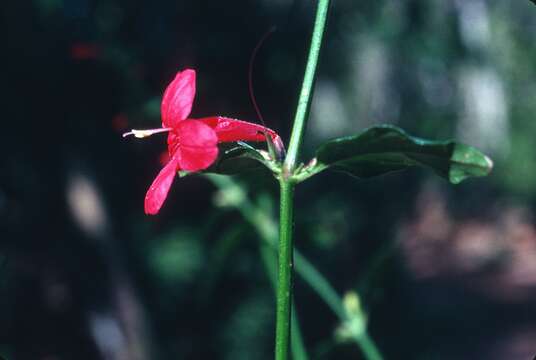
(304, 100)
(297, 347)
(267, 229)
(284, 277)
(284, 285)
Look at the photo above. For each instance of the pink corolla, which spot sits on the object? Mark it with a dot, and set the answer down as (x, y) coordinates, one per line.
(193, 143)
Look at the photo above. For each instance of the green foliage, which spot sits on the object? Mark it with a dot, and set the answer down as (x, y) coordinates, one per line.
(375, 151)
(385, 148)
(242, 157)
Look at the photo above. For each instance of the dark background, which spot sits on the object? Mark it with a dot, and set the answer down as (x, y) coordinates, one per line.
(444, 272)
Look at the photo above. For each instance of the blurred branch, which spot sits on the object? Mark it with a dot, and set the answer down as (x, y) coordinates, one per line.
(233, 195)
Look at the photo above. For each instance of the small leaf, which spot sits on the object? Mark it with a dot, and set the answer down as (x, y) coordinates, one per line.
(385, 148)
(238, 158)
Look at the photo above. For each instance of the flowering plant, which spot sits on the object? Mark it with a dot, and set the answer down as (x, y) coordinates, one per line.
(193, 143)
(193, 146)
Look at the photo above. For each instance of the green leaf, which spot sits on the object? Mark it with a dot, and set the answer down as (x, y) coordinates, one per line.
(239, 158)
(385, 148)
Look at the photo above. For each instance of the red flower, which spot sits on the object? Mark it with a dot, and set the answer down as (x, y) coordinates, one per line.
(192, 143)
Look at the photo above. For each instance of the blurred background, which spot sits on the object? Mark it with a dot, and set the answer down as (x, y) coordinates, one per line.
(443, 272)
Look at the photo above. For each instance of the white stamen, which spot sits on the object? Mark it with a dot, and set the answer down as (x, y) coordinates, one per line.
(144, 133)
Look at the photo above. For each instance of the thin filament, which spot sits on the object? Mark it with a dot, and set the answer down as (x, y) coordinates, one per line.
(250, 72)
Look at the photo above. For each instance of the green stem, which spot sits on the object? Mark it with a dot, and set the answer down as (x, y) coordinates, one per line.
(296, 339)
(297, 346)
(284, 284)
(319, 284)
(284, 276)
(267, 229)
(368, 347)
(304, 100)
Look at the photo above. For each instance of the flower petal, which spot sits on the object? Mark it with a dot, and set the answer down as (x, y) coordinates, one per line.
(229, 130)
(172, 142)
(159, 189)
(196, 144)
(178, 98)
